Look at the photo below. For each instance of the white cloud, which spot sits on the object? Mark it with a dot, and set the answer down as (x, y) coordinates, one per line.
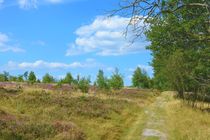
(40, 64)
(6, 44)
(105, 36)
(27, 4)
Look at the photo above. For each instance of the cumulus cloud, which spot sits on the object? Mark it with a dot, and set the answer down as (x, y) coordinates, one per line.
(6, 44)
(41, 64)
(105, 36)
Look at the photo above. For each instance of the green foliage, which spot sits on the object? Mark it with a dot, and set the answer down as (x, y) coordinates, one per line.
(68, 79)
(180, 48)
(47, 78)
(32, 77)
(140, 79)
(84, 84)
(102, 82)
(20, 78)
(116, 81)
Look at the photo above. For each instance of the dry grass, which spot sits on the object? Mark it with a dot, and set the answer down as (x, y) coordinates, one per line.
(185, 122)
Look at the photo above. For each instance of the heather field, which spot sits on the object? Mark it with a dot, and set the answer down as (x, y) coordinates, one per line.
(33, 112)
(30, 113)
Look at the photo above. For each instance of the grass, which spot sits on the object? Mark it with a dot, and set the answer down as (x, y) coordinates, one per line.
(42, 114)
(186, 123)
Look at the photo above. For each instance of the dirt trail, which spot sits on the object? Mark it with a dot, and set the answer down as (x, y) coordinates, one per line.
(154, 128)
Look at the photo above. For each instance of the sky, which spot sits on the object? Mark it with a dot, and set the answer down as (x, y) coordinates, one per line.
(60, 36)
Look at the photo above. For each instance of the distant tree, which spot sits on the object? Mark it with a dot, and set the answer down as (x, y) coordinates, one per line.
(4, 77)
(12, 78)
(20, 78)
(145, 79)
(32, 77)
(102, 81)
(25, 75)
(116, 81)
(68, 79)
(140, 79)
(76, 81)
(136, 79)
(47, 78)
(38, 81)
(84, 84)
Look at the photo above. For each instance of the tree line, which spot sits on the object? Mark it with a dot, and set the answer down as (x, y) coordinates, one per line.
(179, 32)
(140, 79)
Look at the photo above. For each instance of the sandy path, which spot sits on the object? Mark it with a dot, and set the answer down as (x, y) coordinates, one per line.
(155, 120)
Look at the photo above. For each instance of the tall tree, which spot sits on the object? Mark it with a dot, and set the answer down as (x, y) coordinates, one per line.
(179, 33)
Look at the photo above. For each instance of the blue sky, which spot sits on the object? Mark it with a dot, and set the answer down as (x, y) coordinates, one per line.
(59, 36)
